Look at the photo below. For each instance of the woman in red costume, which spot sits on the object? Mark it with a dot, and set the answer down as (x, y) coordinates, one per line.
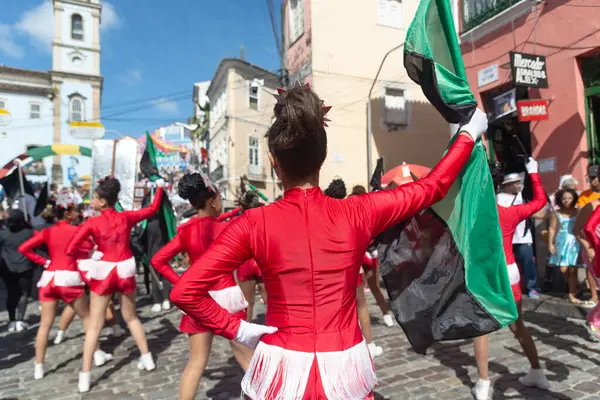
(113, 270)
(592, 233)
(61, 279)
(193, 238)
(309, 248)
(248, 275)
(510, 217)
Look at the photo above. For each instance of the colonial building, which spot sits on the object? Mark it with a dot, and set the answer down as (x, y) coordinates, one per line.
(339, 53)
(241, 103)
(40, 106)
(535, 68)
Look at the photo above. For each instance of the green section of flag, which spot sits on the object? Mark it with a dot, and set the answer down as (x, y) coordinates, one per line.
(262, 196)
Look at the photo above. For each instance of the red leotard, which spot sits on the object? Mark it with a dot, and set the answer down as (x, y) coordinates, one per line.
(592, 232)
(61, 280)
(193, 238)
(111, 231)
(309, 248)
(512, 216)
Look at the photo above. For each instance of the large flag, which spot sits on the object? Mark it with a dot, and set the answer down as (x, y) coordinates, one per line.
(12, 185)
(149, 168)
(444, 269)
(376, 177)
(42, 200)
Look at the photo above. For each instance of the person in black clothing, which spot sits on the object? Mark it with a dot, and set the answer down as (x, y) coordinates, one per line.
(16, 269)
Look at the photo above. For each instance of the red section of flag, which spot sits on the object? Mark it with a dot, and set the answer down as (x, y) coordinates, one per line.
(532, 110)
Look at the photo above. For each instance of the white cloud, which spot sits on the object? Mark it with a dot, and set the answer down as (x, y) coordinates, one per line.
(131, 77)
(166, 106)
(38, 23)
(7, 44)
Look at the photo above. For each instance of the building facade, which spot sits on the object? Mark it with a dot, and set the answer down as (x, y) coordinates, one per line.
(41, 105)
(340, 53)
(241, 104)
(535, 68)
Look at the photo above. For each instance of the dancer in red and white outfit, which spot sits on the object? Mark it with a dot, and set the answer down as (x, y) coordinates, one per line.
(193, 238)
(510, 217)
(113, 270)
(248, 275)
(309, 248)
(61, 279)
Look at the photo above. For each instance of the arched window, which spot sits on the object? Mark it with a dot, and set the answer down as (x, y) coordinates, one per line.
(76, 110)
(76, 27)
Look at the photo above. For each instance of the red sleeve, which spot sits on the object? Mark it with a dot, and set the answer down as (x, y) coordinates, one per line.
(590, 228)
(161, 259)
(225, 255)
(26, 248)
(133, 217)
(385, 208)
(524, 211)
(81, 237)
(229, 214)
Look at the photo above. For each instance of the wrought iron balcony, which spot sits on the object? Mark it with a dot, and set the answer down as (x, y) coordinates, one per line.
(476, 12)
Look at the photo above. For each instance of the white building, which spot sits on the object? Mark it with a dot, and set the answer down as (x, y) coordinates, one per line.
(42, 104)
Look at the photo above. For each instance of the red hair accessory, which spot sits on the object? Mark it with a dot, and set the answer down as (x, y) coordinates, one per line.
(103, 179)
(325, 108)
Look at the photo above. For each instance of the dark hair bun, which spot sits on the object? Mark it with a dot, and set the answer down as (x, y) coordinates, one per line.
(108, 189)
(336, 189)
(193, 188)
(297, 138)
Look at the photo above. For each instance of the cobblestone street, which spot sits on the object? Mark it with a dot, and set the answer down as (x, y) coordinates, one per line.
(447, 372)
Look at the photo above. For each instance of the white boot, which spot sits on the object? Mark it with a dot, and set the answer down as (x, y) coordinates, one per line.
(101, 358)
(12, 326)
(60, 335)
(374, 349)
(481, 390)
(388, 320)
(85, 379)
(535, 377)
(166, 305)
(38, 371)
(21, 326)
(156, 307)
(146, 362)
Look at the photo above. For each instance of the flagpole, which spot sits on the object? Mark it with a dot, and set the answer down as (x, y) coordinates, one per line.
(369, 116)
(22, 187)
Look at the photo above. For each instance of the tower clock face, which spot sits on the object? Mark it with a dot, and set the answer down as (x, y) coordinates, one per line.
(77, 61)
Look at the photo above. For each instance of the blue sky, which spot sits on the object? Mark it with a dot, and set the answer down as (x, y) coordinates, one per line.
(148, 53)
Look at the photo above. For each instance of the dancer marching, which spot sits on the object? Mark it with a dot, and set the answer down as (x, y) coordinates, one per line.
(61, 280)
(113, 271)
(592, 233)
(510, 217)
(337, 190)
(309, 248)
(193, 238)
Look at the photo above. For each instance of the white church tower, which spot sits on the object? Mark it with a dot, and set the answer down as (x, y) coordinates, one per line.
(76, 79)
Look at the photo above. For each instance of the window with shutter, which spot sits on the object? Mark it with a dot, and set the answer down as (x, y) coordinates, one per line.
(295, 19)
(389, 13)
(253, 159)
(34, 111)
(76, 27)
(395, 108)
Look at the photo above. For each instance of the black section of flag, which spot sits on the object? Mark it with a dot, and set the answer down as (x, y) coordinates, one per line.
(376, 177)
(12, 186)
(424, 275)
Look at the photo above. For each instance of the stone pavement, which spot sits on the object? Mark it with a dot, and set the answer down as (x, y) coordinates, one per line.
(447, 372)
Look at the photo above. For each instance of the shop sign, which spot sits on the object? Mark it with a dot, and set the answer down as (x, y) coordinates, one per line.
(532, 110)
(528, 70)
(487, 75)
(505, 103)
(547, 165)
(86, 130)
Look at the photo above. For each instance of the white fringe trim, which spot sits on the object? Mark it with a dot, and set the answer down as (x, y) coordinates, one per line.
(231, 299)
(99, 270)
(61, 278)
(514, 275)
(347, 374)
(271, 364)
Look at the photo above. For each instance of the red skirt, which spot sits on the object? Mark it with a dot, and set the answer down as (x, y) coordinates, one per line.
(68, 294)
(249, 271)
(191, 327)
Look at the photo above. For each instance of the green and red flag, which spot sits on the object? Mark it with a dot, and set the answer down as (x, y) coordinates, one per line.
(444, 269)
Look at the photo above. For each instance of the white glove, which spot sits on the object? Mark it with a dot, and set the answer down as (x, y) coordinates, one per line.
(47, 264)
(531, 166)
(249, 334)
(476, 126)
(97, 255)
(159, 182)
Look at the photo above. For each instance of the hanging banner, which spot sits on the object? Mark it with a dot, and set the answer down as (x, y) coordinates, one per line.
(5, 117)
(86, 130)
(505, 103)
(528, 70)
(487, 75)
(532, 110)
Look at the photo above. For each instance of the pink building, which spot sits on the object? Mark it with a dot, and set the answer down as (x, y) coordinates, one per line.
(567, 81)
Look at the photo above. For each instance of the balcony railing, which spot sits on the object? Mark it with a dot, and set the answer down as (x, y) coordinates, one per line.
(476, 12)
